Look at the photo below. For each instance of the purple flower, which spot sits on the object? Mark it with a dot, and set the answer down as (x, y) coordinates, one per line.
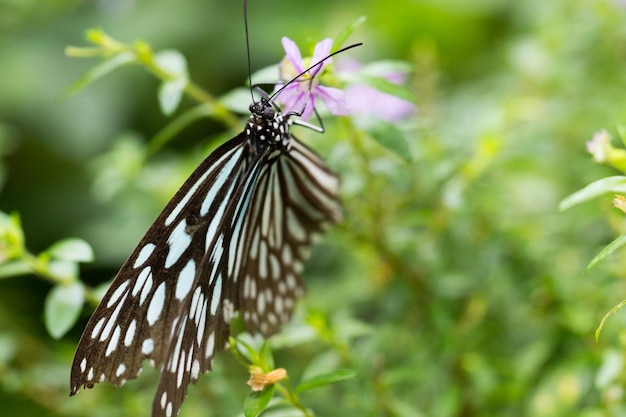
(366, 100)
(300, 95)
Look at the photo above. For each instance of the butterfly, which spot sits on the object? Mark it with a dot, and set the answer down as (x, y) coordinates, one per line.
(233, 240)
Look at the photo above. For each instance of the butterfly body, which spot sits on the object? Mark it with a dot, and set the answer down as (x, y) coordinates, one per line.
(233, 239)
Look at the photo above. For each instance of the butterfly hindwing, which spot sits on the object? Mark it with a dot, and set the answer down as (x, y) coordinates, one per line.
(295, 198)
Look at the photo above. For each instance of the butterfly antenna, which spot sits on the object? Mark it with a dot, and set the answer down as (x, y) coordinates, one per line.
(245, 22)
(294, 79)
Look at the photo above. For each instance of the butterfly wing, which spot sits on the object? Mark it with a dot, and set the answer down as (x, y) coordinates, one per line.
(295, 198)
(135, 319)
(284, 200)
(203, 327)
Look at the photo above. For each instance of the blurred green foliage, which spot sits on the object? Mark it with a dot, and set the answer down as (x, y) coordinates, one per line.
(454, 287)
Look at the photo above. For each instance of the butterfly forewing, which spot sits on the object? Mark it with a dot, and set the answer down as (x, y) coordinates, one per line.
(135, 318)
(203, 327)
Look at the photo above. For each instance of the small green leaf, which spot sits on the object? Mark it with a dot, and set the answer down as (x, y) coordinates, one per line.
(266, 359)
(15, 268)
(608, 249)
(11, 237)
(605, 318)
(237, 100)
(325, 379)
(390, 137)
(72, 250)
(101, 70)
(256, 401)
(265, 76)
(615, 184)
(171, 91)
(345, 33)
(62, 308)
(247, 350)
(66, 271)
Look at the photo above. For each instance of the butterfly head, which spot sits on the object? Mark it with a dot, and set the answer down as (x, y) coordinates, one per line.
(267, 126)
(262, 109)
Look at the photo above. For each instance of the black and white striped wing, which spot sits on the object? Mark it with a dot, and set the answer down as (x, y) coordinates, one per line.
(203, 325)
(294, 200)
(136, 317)
(282, 202)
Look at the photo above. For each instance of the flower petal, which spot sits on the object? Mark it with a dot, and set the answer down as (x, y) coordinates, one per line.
(363, 99)
(334, 99)
(322, 50)
(293, 54)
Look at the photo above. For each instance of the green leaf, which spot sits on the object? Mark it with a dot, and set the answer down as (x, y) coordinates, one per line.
(256, 401)
(11, 237)
(608, 249)
(237, 100)
(15, 268)
(605, 318)
(325, 379)
(345, 33)
(615, 184)
(72, 250)
(62, 308)
(171, 91)
(390, 137)
(101, 70)
(266, 359)
(265, 76)
(66, 271)
(248, 351)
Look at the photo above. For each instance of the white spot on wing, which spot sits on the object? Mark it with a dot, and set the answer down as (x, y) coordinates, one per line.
(178, 242)
(110, 323)
(260, 303)
(156, 305)
(117, 293)
(263, 260)
(96, 329)
(210, 345)
(115, 338)
(185, 279)
(144, 254)
(217, 294)
(294, 226)
(141, 280)
(147, 287)
(219, 182)
(195, 369)
(120, 370)
(147, 346)
(130, 333)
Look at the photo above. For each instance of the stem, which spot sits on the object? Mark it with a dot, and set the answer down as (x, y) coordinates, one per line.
(293, 399)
